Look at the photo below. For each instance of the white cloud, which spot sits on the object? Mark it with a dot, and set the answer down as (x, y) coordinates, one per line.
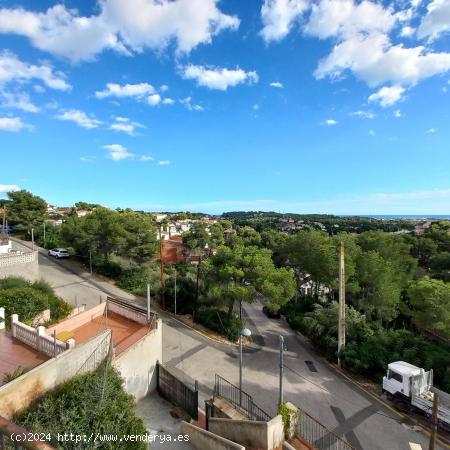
(255, 107)
(436, 21)
(187, 102)
(375, 60)
(168, 101)
(279, 16)
(118, 152)
(218, 77)
(431, 130)
(163, 88)
(330, 122)
(407, 31)
(88, 159)
(387, 95)
(363, 114)
(154, 99)
(164, 162)
(20, 100)
(345, 18)
(127, 90)
(12, 124)
(372, 133)
(276, 84)
(13, 69)
(397, 113)
(146, 158)
(122, 26)
(80, 118)
(5, 188)
(125, 125)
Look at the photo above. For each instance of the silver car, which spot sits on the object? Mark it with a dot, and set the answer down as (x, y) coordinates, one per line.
(58, 253)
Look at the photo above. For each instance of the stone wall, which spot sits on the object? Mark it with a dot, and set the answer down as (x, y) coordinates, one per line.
(20, 265)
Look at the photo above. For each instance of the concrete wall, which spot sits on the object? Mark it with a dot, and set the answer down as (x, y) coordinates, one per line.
(78, 320)
(137, 364)
(25, 265)
(261, 435)
(205, 440)
(19, 393)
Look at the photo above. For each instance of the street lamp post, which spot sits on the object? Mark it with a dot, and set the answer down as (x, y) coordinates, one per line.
(175, 294)
(244, 332)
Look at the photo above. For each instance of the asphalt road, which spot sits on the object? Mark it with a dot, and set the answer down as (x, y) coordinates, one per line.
(308, 381)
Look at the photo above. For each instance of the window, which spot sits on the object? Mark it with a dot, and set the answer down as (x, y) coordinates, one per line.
(395, 376)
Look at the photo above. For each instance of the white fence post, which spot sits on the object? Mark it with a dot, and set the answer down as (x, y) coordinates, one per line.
(40, 331)
(14, 319)
(2, 318)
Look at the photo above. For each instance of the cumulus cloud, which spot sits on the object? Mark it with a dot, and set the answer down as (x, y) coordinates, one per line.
(387, 95)
(279, 16)
(5, 188)
(18, 100)
(13, 69)
(375, 60)
(218, 77)
(436, 21)
(330, 122)
(164, 162)
(187, 102)
(121, 26)
(127, 90)
(117, 152)
(12, 124)
(276, 84)
(125, 125)
(168, 101)
(154, 99)
(80, 118)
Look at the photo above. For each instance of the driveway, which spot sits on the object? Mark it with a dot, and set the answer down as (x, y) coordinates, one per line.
(308, 382)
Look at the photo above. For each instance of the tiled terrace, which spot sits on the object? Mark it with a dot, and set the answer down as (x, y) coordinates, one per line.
(14, 354)
(125, 332)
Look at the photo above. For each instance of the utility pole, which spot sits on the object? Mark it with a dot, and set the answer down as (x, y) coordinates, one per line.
(175, 295)
(148, 302)
(341, 325)
(32, 239)
(280, 396)
(163, 303)
(90, 260)
(434, 418)
(44, 235)
(198, 286)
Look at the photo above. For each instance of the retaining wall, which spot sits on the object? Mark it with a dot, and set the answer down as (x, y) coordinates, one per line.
(205, 440)
(24, 265)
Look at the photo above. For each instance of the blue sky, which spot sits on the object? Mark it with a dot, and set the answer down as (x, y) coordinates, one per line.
(308, 106)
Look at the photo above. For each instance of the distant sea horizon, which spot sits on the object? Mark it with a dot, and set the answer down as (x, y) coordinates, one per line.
(399, 216)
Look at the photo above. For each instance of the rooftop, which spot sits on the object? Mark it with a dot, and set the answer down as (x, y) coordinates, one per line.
(15, 354)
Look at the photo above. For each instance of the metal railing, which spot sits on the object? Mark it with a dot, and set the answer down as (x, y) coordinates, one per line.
(102, 351)
(239, 399)
(319, 435)
(131, 311)
(7, 442)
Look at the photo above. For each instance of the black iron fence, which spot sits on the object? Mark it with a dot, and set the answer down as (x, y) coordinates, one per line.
(176, 391)
(239, 399)
(318, 435)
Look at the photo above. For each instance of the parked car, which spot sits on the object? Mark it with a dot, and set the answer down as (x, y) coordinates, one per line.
(58, 253)
(270, 313)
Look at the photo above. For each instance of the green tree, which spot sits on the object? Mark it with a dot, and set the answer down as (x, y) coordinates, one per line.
(25, 211)
(440, 266)
(430, 302)
(240, 273)
(197, 238)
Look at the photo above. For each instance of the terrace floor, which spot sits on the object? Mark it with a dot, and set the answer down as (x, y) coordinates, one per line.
(15, 354)
(125, 332)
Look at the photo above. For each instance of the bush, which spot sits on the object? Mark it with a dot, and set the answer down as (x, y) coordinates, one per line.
(89, 403)
(19, 296)
(216, 319)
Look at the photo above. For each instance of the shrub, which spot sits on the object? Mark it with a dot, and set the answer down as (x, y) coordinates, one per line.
(89, 403)
(19, 296)
(10, 376)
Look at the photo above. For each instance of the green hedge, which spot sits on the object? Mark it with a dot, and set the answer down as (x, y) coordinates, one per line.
(91, 403)
(19, 296)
